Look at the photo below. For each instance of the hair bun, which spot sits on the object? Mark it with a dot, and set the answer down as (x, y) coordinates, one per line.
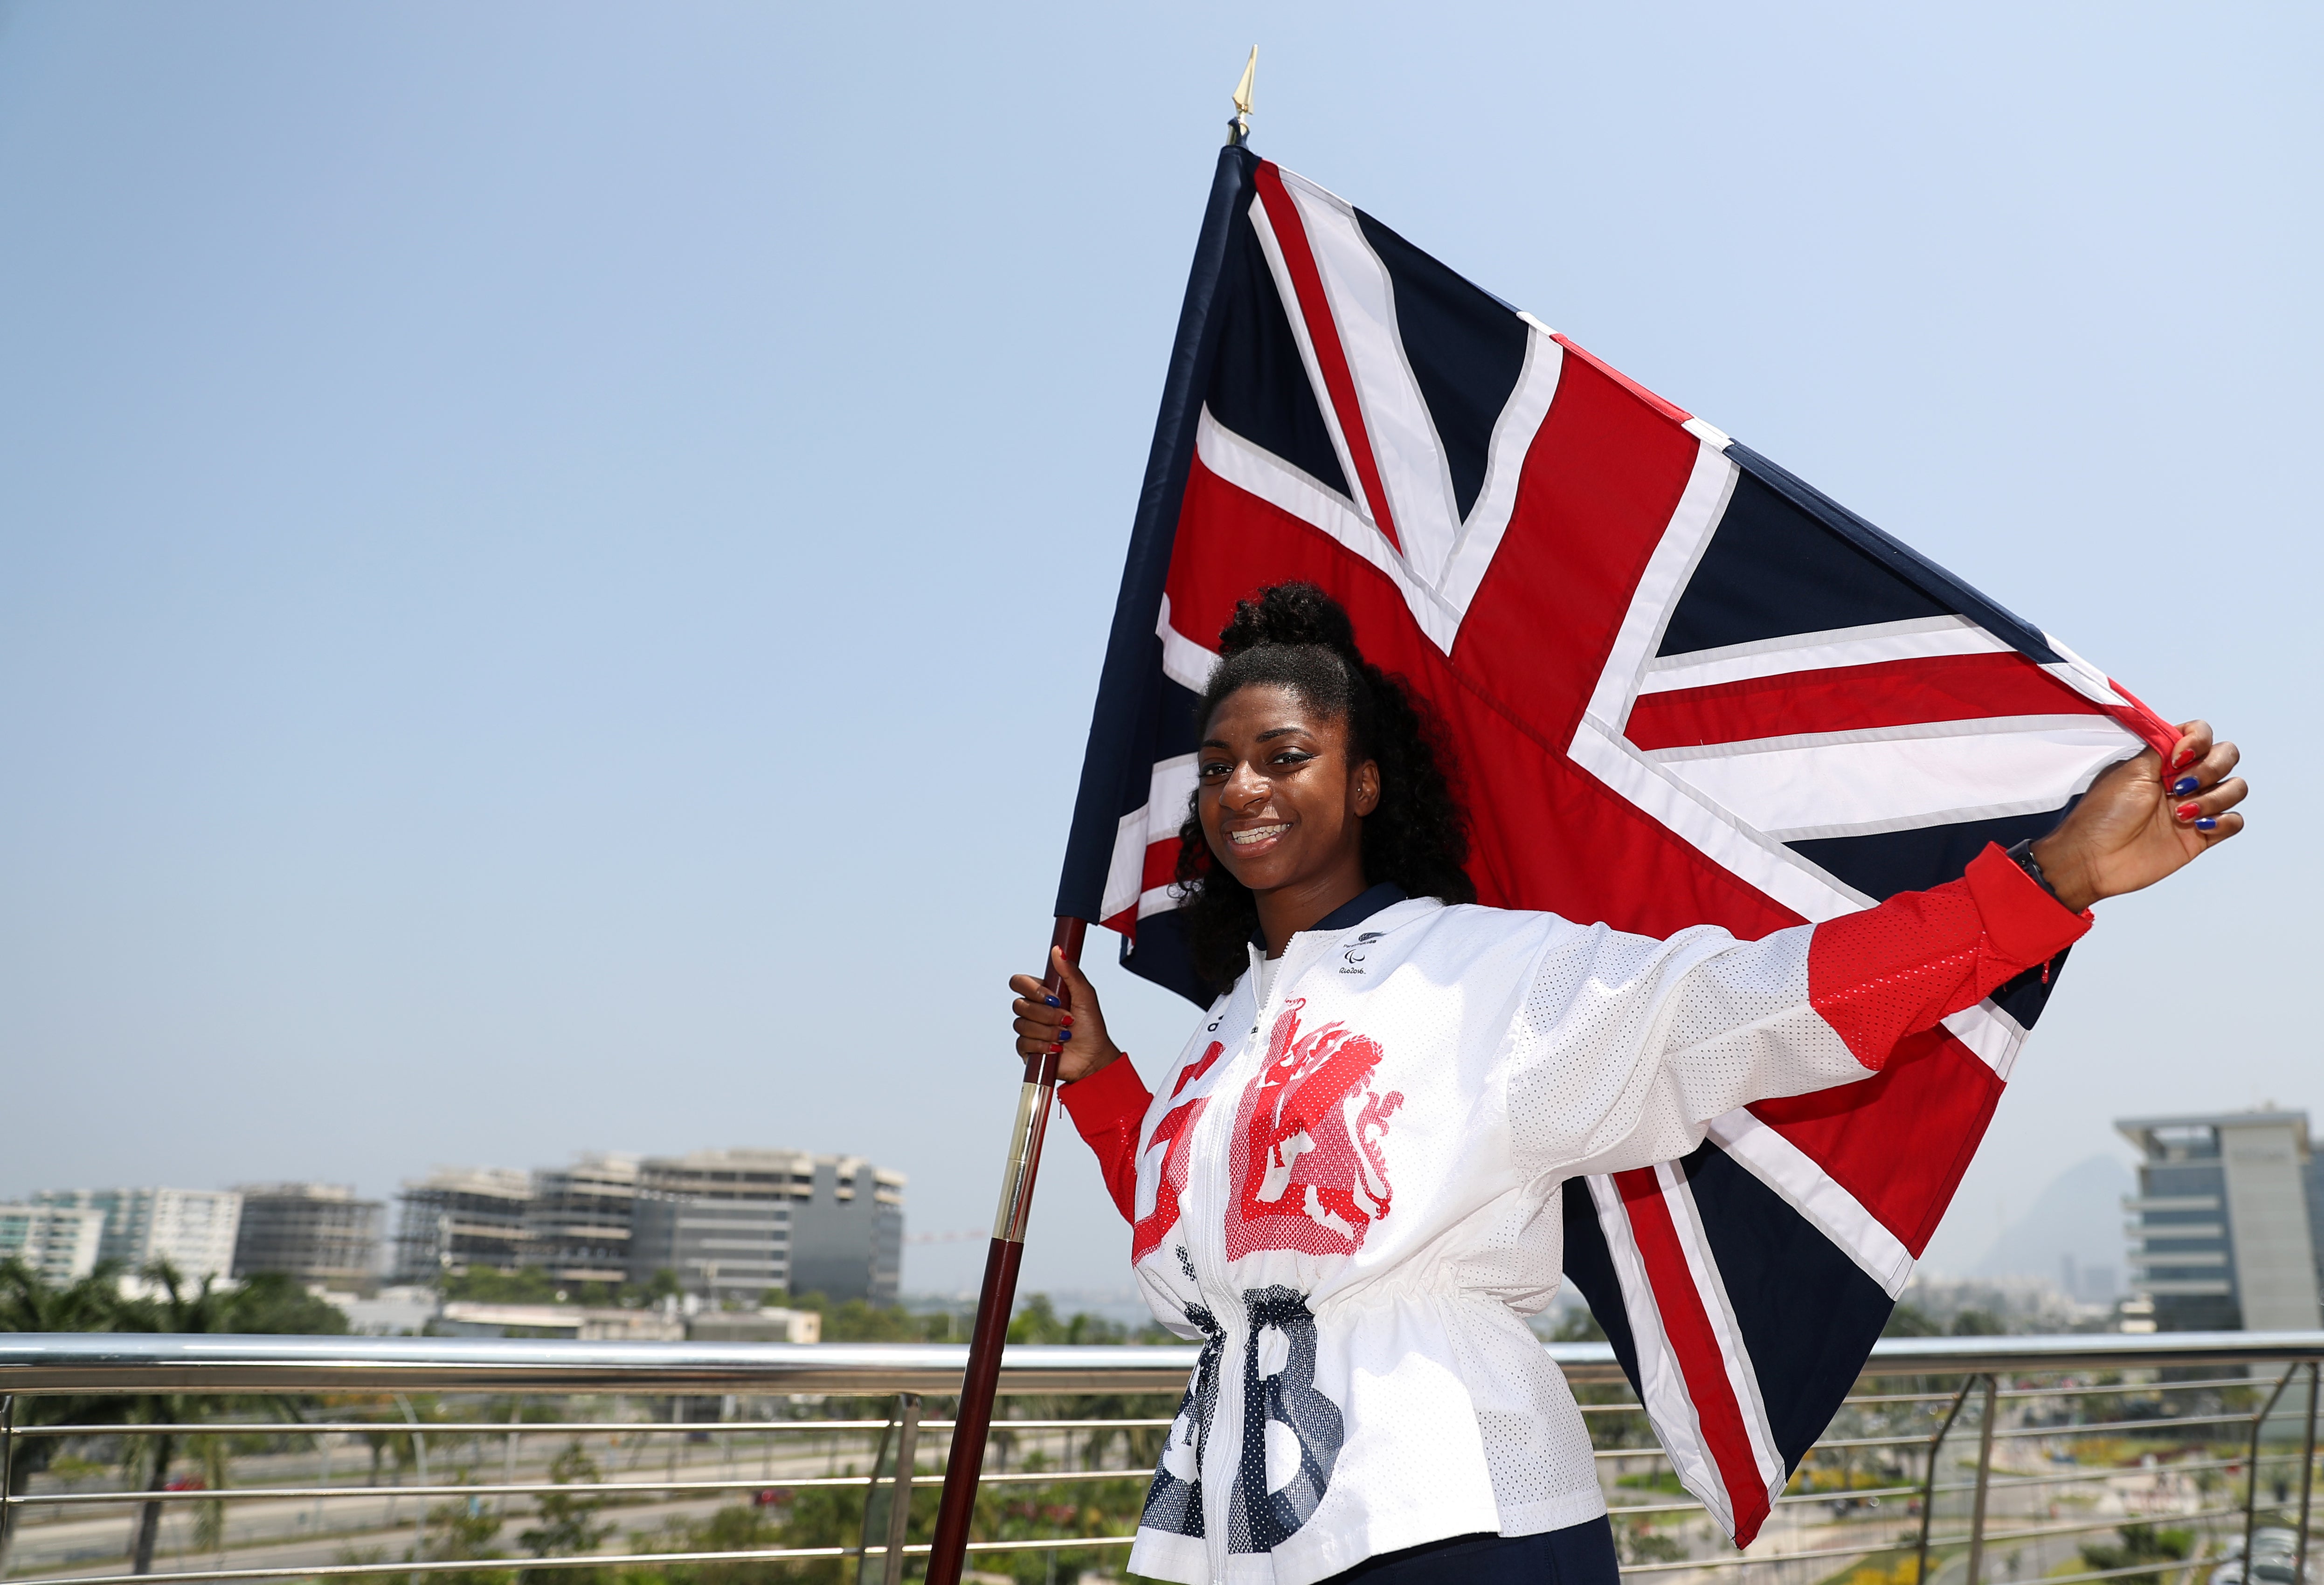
(1288, 613)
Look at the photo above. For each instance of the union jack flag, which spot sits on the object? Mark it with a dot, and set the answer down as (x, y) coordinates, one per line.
(1683, 687)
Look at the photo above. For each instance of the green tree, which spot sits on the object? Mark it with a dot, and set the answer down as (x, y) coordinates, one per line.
(567, 1524)
(2141, 1544)
(27, 1303)
(462, 1529)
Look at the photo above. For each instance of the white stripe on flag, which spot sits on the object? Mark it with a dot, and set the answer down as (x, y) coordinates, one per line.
(1792, 785)
(1808, 1189)
(1184, 662)
(1288, 291)
(1264, 474)
(1918, 637)
(1404, 445)
(1992, 1034)
(1662, 1384)
(1700, 505)
(1742, 1378)
(1168, 786)
(1505, 460)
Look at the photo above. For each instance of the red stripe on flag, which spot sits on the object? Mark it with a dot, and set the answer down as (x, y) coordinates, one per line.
(1669, 409)
(1900, 1140)
(1323, 332)
(1161, 864)
(1687, 1326)
(1853, 699)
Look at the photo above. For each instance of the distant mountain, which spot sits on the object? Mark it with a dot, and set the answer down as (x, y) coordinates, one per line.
(2079, 1217)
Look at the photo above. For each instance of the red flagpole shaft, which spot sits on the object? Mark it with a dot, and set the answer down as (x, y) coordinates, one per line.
(999, 1295)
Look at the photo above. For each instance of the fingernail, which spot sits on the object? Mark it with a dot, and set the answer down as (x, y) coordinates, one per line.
(2207, 823)
(2186, 758)
(2189, 811)
(1051, 1000)
(1054, 1048)
(1064, 1034)
(1069, 1020)
(2184, 786)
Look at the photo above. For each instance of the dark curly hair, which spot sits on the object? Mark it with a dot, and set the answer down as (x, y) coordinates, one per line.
(1294, 635)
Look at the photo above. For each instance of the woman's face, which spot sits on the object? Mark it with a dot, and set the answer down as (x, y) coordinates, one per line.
(1279, 801)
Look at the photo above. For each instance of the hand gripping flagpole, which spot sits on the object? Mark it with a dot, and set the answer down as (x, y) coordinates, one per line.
(1110, 766)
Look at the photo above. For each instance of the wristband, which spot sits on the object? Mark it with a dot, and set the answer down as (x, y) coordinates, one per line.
(2022, 855)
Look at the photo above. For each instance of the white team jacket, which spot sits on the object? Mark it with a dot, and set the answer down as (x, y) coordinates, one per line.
(1350, 1195)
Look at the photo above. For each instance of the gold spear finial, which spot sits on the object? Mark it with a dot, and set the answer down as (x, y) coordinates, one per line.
(1239, 127)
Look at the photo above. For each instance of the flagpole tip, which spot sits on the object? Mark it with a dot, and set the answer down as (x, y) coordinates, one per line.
(1239, 125)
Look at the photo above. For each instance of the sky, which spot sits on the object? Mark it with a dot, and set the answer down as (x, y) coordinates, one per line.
(553, 557)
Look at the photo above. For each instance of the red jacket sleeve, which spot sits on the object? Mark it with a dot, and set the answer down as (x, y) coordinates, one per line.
(1921, 956)
(1108, 1108)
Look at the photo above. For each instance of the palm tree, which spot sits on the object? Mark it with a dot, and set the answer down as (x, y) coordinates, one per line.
(171, 1310)
(27, 1303)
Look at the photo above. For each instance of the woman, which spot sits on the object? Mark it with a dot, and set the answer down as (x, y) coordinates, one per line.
(1348, 1184)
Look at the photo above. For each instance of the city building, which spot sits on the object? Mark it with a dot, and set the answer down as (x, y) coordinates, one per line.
(578, 1224)
(193, 1230)
(721, 1251)
(58, 1242)
(2228, 1211)
(460, 1218)
(316, 1232)
(731, 1225)
(724, 1220)
(847, 1239)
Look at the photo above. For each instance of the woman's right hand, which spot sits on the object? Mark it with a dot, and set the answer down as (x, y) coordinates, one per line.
(1070, 1023)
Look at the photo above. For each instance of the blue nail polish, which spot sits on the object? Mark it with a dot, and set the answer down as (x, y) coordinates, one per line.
(2207, 823)
(1064, 1034)
(2182, 786)
(1051, 1000)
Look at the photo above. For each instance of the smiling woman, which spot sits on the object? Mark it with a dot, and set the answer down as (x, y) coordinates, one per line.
(1403, 1081)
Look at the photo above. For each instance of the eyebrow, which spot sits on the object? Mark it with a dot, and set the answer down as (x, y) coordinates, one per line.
(1272, 731)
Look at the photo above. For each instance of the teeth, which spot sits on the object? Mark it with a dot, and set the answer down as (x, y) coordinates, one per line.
(1257, 833)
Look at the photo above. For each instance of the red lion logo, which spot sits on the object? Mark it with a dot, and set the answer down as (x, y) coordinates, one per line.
(1307, 1148)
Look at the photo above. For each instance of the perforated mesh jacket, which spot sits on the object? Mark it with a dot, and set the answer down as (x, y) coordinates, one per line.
(1349, 1193)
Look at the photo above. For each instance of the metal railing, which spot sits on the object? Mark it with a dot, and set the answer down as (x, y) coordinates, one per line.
(2011, 1458)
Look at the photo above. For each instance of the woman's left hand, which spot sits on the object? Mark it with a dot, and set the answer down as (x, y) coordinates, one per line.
(2135, 825)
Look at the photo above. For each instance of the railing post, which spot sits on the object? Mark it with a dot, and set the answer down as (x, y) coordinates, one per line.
(420, 1464)
(899, 1505)
(1929, 1486)
(2250, 1465)
(2307, 1472)
(1984, 1479)
(8, 1467)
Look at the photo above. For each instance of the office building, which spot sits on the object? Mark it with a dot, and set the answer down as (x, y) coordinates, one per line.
(59, 1243)
(316, 1232)
(2227, 1210)
(193, 1230)
(732, 1224)
(459, 1219)
(578, 1224)
(847, 1239)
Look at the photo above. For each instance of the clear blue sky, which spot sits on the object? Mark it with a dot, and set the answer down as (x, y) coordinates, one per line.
(553, 556)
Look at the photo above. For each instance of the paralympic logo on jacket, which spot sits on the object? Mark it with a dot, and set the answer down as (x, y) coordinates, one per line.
(1306, 1145)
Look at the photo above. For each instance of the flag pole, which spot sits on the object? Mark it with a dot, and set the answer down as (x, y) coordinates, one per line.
(1126, 654)
(965, 1463)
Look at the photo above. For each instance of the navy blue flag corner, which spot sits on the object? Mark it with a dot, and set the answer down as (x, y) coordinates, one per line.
(1759, 708)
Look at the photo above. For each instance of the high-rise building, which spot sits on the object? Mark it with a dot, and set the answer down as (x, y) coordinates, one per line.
(192, 1229)
(580, 1221)
(58, 1242)
(729, 1224)
(847, 1239)
(2227, 1209)
(460, 1218)
(316, 1232)
(732, 1225)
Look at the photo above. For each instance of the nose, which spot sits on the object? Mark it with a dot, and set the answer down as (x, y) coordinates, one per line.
(1246, 789)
